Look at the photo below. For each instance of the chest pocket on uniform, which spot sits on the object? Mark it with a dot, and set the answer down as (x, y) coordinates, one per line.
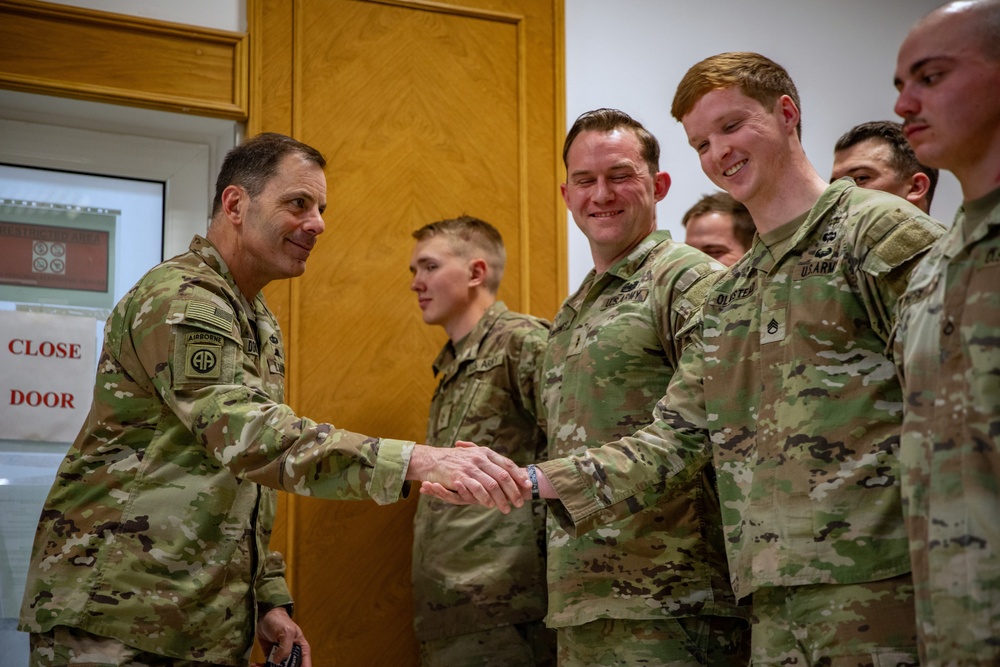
(483, 388)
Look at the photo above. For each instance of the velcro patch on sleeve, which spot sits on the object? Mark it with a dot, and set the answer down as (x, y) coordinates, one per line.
(210, 314)
(902, 242)
(202, 356)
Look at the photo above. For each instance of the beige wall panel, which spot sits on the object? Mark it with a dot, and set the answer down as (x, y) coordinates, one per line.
(60, 50)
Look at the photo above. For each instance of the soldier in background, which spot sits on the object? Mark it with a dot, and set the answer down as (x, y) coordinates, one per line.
(877, 156)
(152, 546)
(720, 227)
(947, 350)
(652, 589)
(479, 576)
(786, 387)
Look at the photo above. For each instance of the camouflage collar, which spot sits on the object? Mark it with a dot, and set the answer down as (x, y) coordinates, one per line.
(630, 263)
(759, 258)
(213, 258)
(467, 348)
(974, 219)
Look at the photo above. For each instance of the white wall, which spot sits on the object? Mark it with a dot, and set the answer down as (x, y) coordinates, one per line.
(219, 14)
(631, 54)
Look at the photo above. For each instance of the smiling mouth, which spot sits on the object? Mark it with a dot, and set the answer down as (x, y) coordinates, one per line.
(605, 214)
(735, 168)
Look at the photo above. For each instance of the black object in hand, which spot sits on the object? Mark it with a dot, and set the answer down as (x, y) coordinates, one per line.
(294, 658)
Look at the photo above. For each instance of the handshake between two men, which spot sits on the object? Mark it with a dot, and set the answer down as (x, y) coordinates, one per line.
(482, 477)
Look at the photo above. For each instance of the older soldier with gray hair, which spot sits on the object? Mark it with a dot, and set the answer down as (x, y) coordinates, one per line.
(152, 547)
(948, 340)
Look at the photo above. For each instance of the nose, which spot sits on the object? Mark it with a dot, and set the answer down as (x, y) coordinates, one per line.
(907, 104)
(603, 191)
(720, 150)
(416, 284)
(315, 224)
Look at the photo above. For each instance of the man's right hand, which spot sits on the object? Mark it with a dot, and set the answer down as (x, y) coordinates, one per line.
(474, 474)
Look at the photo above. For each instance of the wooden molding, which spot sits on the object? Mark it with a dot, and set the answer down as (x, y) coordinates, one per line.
(105, 57)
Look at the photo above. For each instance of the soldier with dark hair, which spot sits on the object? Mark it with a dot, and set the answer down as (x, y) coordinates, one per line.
(152, 547)
(786, 387)
(652, 588)
(720, 227)
(479, 576)
(878, 157)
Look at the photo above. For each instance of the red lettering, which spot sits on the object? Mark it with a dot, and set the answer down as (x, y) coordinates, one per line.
(47, 349)
(49, 399)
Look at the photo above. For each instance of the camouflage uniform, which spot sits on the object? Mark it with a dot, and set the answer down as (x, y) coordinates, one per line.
(613, 348)
(475, 569)
(156, 529)
(948, 355)
(788, 388)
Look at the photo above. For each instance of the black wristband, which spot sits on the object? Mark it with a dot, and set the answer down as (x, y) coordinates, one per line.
(533, 476)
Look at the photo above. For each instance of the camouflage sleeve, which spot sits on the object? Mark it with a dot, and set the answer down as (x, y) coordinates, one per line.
(529, 370)
(682, 299)
(892, 246)
(618, 479)
(272, 590)
(231, 414)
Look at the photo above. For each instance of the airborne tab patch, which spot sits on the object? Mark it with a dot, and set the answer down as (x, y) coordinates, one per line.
(203, 356)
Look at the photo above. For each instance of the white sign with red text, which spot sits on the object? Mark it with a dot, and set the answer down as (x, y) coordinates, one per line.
(46, 375)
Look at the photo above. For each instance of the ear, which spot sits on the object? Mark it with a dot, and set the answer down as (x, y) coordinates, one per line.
(661, 185)
(477, 272)
(920, 183)
(234, 203)
(789, 112)
(562, 191)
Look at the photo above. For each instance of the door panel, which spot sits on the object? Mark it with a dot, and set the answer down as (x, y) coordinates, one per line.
(425, 111)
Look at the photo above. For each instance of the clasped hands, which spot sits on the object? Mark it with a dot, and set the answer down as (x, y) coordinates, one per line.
(467, 474)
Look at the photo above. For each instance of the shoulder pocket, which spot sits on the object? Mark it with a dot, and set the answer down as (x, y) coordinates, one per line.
(204, 344)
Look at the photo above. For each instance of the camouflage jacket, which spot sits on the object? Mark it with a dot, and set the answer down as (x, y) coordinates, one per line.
(790, 390)
(948, 354)
(613, 348)
(474, 568)
(155, 531)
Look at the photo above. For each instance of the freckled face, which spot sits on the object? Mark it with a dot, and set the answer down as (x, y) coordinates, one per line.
(741, 144)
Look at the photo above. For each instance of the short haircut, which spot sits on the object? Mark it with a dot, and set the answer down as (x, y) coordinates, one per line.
(608, 120)
(903, 160)
(756, 76)
(723, 202)
(471, 237)
(984, 25)
(255, 161)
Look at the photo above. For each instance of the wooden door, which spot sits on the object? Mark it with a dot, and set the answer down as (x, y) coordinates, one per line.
(425, 111)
